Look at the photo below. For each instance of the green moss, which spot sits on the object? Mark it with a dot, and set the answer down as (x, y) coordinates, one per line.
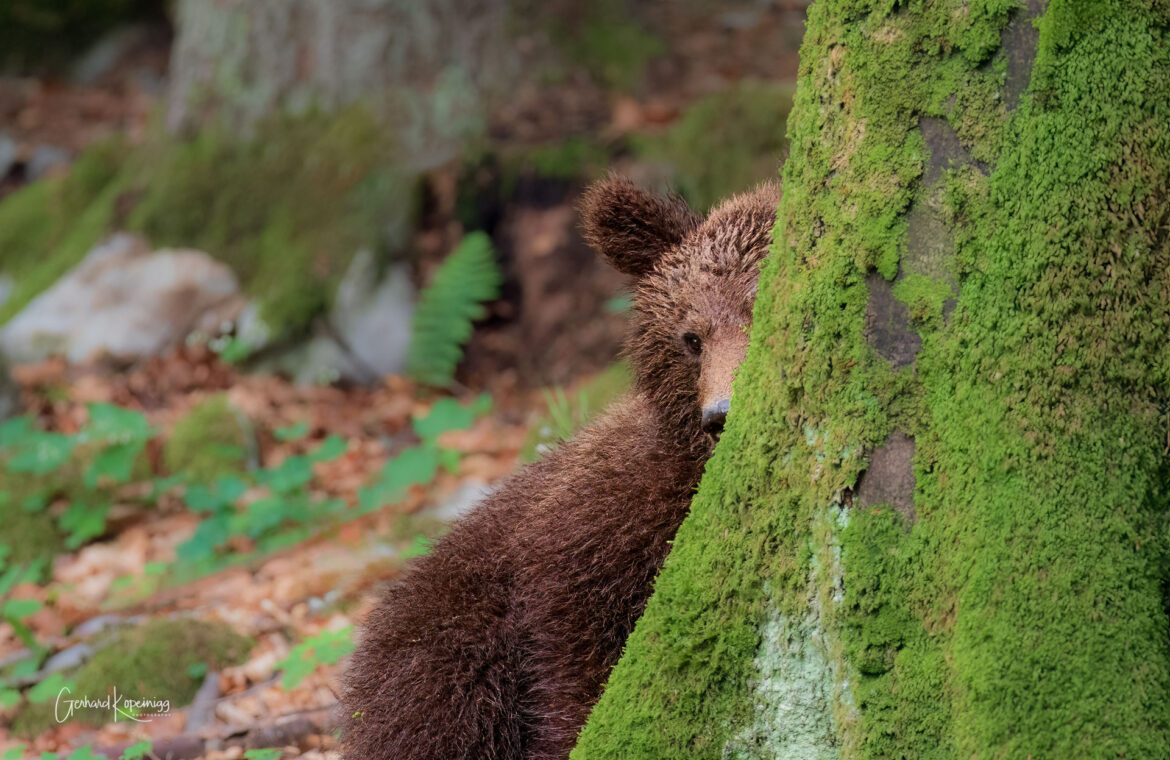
(1022, 613)
(159, 660)
(725, 143)
(211, 440)
(49, 226)
(29, 535)
(924, 296)
(286, 209)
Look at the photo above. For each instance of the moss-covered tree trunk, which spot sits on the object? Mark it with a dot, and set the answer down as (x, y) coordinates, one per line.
(936, 526)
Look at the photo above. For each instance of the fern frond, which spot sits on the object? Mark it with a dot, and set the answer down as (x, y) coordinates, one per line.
(448, 307)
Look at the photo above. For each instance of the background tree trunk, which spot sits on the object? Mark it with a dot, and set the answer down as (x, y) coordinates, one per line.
(936, 526)
(430, 69)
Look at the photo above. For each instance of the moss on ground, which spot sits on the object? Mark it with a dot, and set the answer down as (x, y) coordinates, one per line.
(1022, 613)
(29, 535)
(160, 660)
(725, 143)
(211, 441)
(285, 209)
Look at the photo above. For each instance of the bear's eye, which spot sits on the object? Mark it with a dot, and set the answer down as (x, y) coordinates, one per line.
(693, 343)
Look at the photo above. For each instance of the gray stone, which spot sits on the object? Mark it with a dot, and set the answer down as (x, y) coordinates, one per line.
(363, 338)
(44, 159)
(126, 301)
(372, 316)
(68, 659)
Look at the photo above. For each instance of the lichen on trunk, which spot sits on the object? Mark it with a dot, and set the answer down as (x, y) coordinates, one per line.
(959, 347)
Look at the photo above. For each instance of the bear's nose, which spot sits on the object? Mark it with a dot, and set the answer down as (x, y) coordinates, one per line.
(714, 415)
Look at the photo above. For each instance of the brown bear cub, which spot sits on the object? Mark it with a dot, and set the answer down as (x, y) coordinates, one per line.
(497, 644)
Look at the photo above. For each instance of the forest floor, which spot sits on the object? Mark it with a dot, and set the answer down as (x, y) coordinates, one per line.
(277, 599)
(297, 601)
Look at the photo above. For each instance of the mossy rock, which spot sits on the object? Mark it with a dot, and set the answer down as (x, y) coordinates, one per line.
(161, 660)
(212, 440)
(286, 209)
(30, 536)
(49, 226)
(725, 143)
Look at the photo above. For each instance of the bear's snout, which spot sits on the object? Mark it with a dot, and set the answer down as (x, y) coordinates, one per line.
(714, 415)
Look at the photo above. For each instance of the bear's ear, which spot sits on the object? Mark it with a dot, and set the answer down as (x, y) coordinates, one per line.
(633, 227)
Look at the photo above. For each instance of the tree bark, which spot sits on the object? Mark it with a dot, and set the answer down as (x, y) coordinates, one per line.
(936, 526)
(430, 69)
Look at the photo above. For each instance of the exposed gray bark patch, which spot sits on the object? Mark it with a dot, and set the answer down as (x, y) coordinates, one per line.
(1019, 42)
(945, 149)
(887, 324)
(889, 479)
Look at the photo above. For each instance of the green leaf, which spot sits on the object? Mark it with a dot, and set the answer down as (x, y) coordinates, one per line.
(413, 466)
(19, 609)
(220, 497)
(420, 546)
(326, 648)
(233, 350)
(39, 453)
(328, 508)
(197, 670)
(211, 533)
(373, 498)
(292, 432)
(36, 502)
(82, 522)
(17, 574)
(115, 463)
(25, 668)
(13, 431)
(137, 751)
(48, 756)
(162, 485)
(265, 514)
(331, 448)
(9, 698)
(262, 754)
(467, 279)
(84, 753)
(448, 414)
(449, 460)
(112, 424)
(48, 689)
(291, 474)
(154, 568)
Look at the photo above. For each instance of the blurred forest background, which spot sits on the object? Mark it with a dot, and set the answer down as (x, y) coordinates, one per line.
(285, 285)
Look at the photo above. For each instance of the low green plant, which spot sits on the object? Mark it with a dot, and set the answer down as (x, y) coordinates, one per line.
(419, 464)
(326, 648)
(566, 413)
(448, 307)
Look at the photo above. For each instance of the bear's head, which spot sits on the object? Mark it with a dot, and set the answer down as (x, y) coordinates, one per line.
(695, 282)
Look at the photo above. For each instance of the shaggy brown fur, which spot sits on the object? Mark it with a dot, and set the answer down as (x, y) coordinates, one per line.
(497, 644)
